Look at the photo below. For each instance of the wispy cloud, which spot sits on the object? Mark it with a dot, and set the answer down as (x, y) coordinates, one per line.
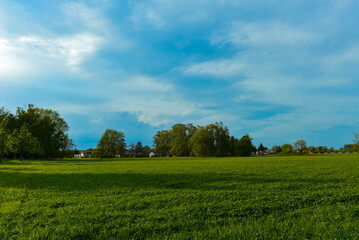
(270, 34)
(220, 68)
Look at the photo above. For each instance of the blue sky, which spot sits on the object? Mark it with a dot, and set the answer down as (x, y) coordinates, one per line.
(278, 70)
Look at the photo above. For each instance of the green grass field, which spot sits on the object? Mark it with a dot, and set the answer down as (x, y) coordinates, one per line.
(299, 197)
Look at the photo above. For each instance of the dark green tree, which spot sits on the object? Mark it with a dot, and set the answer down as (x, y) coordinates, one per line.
(211, 140)
(4, 133)
(46, 126)
(139, 148)
(178, 140)
(180, 134)
(21, 142)
(261, 148)
(202, 143)
(111, 144)
(161, 142)
(245, 146)
(146, 150)
(6, 127)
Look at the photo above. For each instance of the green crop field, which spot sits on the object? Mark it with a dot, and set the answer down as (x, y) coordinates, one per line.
(298, 197)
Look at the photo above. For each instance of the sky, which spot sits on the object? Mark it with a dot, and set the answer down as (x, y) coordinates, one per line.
(277, 70)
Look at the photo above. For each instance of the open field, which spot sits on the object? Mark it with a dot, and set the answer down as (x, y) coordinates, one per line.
(181, 198)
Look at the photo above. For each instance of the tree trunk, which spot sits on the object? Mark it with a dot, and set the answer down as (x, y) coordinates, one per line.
(1, 157)
(21, 156)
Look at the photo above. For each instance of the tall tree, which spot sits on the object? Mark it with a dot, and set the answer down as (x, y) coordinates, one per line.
(139, 148)
(211, 140)
(222, 140)
(47, 126)
(178, 140)
(180, 134)
(21, 142)
(260, 148)
(161, 142)
(112, 143)
(202, 143)
(245, 146)
(300, 145)
(4, 132)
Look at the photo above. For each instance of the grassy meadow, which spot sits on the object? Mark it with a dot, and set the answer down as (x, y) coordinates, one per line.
(289, 197)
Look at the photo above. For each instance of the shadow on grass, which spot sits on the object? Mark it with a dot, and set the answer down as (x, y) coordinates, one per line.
(91, 182)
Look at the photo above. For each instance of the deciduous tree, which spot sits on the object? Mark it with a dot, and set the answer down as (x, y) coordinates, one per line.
(211, 140)
(245, 146)
(46, 126)
(300, 145)
(21, 142)
(112, 143)
(4, 132)
(180, 134)
(287, 148)
(161, 142)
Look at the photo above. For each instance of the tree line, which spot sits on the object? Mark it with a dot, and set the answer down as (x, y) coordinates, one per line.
(33, 133)
(201, 141)
(41, 133)
(181, 140)
(112, 144)
(300, 147)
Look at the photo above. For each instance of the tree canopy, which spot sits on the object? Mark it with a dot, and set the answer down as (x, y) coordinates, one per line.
(300, 145)
(210, 140)
(111, 144)
(20, 132)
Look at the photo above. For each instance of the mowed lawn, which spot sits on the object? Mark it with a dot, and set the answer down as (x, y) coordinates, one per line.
(298, 197)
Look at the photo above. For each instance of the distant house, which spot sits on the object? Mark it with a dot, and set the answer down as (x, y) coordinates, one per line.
(263, 152)
(84, 154)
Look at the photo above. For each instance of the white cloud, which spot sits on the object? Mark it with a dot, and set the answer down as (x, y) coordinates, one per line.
(266, 34)
(77, 47)
(220, 68)
(279, 69)
(154, 101)
(42, 50)
(74, 48)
